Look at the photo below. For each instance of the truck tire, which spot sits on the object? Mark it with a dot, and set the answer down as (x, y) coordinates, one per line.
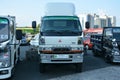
(18, 54)
(78, 67)
(95, 53)
(13, 69)
(107, 59)
(42, 68)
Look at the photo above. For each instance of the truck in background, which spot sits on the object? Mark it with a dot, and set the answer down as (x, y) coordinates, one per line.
(9, 46)
(87, 33)
(61, 37)
(107, 44)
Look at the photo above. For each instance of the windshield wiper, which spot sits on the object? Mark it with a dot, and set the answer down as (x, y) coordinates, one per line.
(52, 31)
(74, 32)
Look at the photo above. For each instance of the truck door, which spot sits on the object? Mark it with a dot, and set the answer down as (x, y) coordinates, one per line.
(107, 36)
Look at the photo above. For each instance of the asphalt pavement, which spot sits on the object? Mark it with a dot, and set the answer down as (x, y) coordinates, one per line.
(94, 68)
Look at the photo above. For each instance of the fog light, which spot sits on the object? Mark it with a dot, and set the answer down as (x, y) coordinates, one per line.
(4, 72)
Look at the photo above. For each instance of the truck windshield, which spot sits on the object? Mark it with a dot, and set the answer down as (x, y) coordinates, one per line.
(116, 34)
(4, 29)
(61, 28)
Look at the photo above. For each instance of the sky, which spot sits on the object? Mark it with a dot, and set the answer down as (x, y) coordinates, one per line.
(27, 11)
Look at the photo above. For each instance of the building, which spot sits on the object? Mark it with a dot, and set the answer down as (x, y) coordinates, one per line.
(86, 18)
(97, 21)
(101, 21)
(113, 20)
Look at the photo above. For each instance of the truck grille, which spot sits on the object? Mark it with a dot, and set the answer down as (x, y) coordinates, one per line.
(61, 49)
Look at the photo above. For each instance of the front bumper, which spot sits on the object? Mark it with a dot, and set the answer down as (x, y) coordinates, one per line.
(5, 73)
(61, 58)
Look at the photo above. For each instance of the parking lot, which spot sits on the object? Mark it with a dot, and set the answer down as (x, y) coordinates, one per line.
(94, 68)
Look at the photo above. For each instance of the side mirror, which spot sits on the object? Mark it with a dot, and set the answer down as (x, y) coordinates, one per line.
(34, 24)
(87, 25)
(18, 34)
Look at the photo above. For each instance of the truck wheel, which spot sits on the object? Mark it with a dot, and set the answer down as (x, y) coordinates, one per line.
(78, 67)
(107, 59)
(13, 69)
(18, 54)
(95, 53)
(42, 68)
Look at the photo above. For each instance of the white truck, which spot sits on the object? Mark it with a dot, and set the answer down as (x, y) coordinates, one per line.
(61, 37)
(9, 46)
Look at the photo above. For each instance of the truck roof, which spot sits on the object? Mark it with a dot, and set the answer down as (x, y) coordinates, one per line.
(60, 17)
(8, 17)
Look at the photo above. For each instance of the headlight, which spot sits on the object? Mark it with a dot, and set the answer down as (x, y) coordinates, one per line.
(4, 64)
(5, 57)
(115, 52)
(5, 60)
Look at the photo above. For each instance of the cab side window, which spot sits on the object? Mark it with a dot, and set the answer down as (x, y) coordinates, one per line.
(107, 35)
(107, 32)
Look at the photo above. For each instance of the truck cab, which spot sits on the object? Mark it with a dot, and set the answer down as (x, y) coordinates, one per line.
(60, 41)
(9, 46)
(111, 44)
(107, 44)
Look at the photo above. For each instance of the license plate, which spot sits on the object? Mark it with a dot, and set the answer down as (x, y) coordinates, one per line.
(61, 56)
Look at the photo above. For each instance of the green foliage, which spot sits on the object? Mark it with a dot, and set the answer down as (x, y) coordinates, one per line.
(29, 29)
